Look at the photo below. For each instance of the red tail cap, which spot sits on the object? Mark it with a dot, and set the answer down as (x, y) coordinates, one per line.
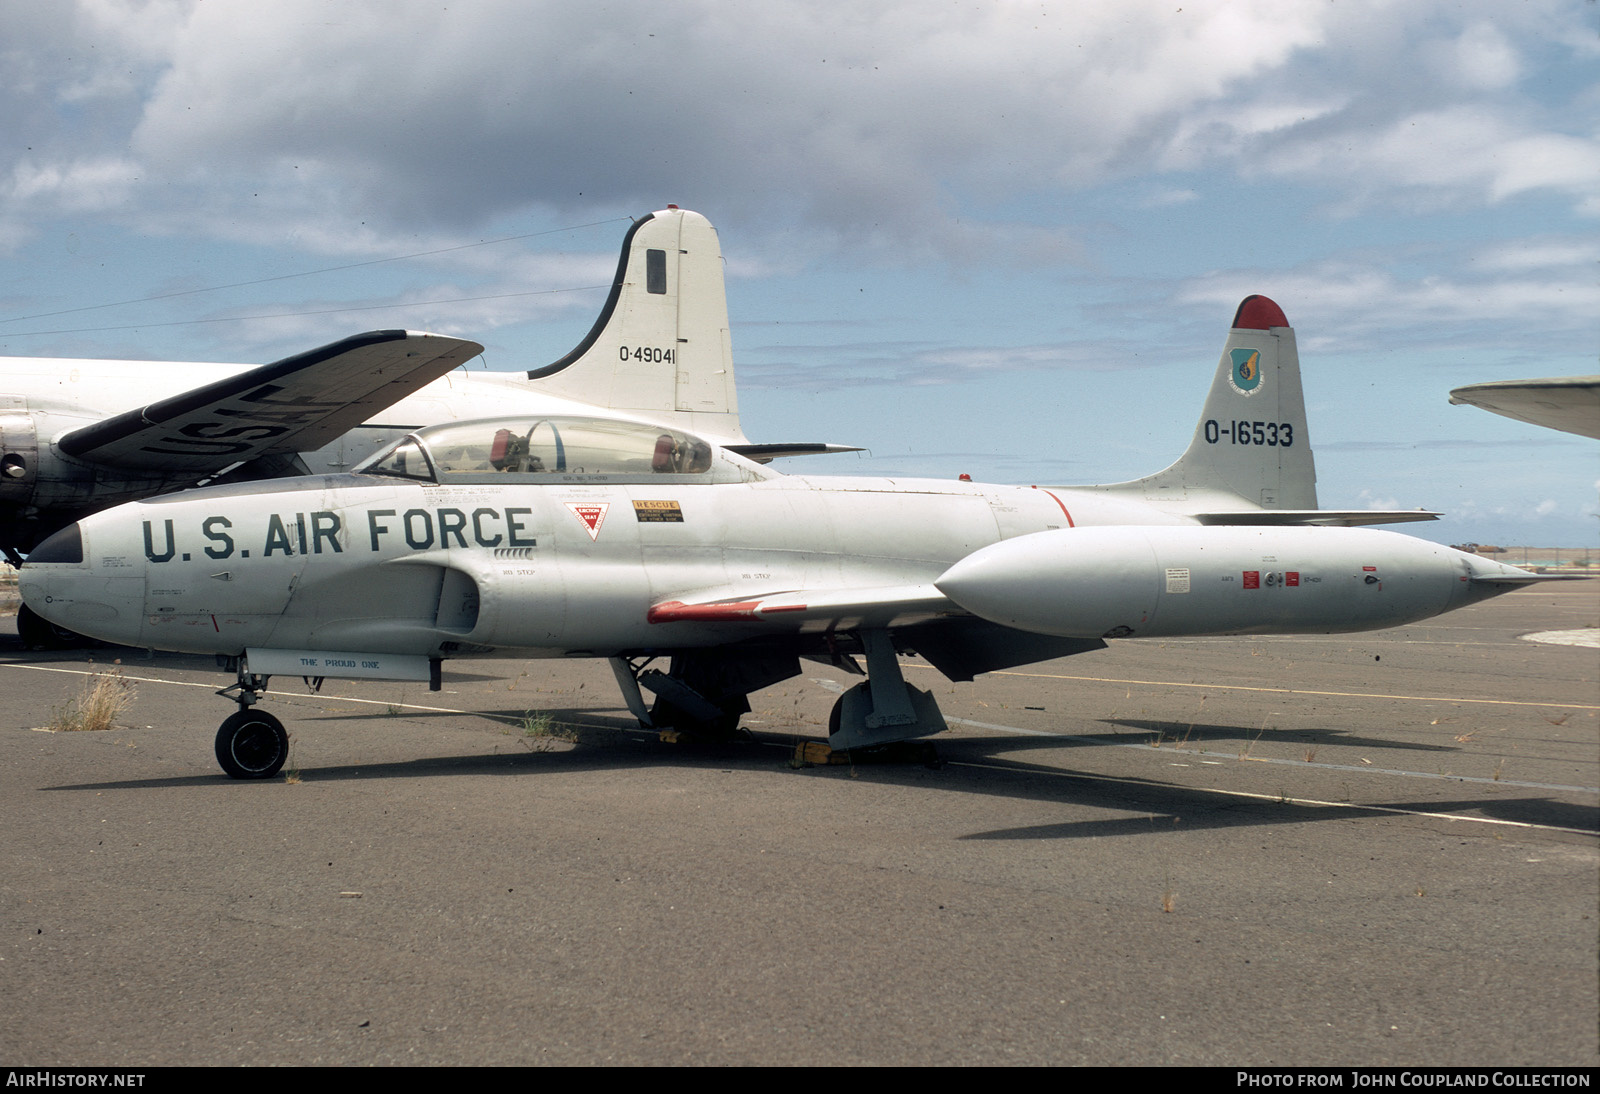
(1259, 313)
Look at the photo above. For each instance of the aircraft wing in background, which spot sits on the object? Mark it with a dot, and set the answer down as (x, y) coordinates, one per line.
(295, 405)
(1569, 403)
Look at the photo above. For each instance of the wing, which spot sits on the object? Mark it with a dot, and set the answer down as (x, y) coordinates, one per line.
(298, 404)
(1570, 404)
(947, 636)
(822, 609)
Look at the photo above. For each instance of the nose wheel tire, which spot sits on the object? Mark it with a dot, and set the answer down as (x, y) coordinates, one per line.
(39, 634)
(252, 745)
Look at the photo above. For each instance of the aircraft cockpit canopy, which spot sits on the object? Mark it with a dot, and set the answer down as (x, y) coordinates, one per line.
(557, 449)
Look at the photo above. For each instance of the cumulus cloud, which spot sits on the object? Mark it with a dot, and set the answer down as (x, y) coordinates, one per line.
(868, 119)
(1540, 254)
(1374, 297)
(1480, 57)
(891, 125)
(1446, 156)
(907, 364)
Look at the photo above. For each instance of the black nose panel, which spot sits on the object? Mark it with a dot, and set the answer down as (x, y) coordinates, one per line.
(65, 546)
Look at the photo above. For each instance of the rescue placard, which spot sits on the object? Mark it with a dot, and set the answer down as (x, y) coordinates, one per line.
(658, 512)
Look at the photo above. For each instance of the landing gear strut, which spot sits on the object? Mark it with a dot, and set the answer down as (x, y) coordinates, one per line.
(703, 692)
(251, 744)
(885, 708)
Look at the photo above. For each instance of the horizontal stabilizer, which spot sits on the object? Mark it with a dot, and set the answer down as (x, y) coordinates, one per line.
(766, 453)
(1518, 578)
(1327, 518)
(298, 404)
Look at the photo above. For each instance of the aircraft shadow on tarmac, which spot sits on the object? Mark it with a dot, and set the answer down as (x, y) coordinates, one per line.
(1167, 805)
(516, 756)
(1190, 735)
(1160, 806)
(1180, 808)
(609, 738)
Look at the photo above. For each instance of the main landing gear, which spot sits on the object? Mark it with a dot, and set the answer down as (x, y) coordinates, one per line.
(704, 692)
(883, 709)
(251, 744)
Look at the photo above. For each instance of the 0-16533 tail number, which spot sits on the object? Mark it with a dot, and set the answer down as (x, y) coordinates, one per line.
(1269, 434)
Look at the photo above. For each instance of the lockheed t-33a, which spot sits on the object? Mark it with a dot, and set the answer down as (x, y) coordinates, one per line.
(702, 576)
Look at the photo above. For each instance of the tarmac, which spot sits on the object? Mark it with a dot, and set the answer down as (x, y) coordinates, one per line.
(1375, 849)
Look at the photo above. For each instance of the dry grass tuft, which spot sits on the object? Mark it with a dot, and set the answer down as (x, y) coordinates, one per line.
(104, 697)
(541, 731)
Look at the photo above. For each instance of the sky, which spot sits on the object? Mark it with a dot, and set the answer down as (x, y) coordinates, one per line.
(995, 238)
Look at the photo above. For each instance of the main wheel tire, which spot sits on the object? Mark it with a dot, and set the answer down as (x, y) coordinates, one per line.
(252, 745)
(665, 714)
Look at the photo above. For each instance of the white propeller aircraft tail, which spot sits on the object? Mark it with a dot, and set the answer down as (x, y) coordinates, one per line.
(661, 343)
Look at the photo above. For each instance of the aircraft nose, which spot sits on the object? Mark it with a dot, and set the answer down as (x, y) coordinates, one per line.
(64, 583)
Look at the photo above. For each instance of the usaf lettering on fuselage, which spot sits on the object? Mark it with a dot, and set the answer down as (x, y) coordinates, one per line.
(323, 532)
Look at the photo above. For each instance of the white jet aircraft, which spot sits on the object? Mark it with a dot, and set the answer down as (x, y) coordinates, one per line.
(77, 436)
(534, 536)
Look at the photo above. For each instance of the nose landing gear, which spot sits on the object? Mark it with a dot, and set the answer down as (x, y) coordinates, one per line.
(251, 744)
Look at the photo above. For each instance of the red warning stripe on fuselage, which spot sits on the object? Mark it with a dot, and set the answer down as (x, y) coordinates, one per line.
(1064, 512)
(676, 611)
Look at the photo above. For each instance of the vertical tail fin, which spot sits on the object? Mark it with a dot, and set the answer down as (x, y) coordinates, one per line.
(661, 344)
(1251, 444)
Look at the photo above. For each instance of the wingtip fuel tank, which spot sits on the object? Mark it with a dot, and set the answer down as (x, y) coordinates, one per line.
(1164, 582)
